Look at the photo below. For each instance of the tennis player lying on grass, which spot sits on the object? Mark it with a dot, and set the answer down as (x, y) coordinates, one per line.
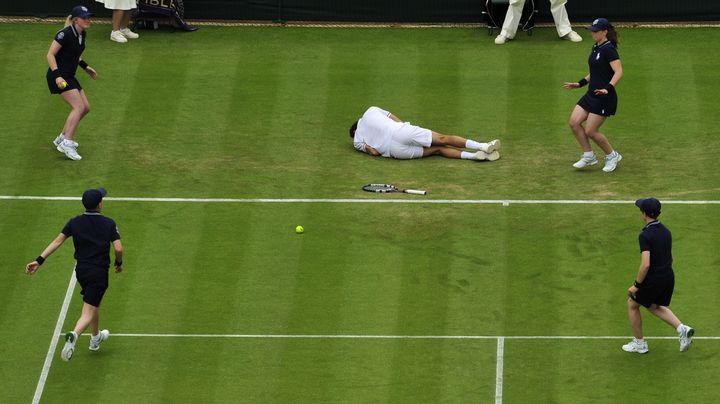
(380, 133)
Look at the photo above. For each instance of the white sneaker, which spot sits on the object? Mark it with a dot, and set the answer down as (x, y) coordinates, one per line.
(481, 155)
(131, 35)
(117, 36)
(586, 161)
(67, 351)
(501, 39)
(102, 336)
(572, 36)
(492, 146)
(636, 346)
(70, 149)
(58, 140)
(686, 335)
(612, 162)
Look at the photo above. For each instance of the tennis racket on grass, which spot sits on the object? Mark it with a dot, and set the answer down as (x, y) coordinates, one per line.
(385, 188)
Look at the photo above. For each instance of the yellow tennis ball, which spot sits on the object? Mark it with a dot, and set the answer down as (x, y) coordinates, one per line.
(299, 229)
(63, 84)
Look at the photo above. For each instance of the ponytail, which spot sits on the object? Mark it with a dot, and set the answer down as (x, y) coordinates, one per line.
(612, 36)
(68, 20)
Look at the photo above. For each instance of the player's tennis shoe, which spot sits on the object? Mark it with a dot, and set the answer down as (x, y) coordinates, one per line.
(129, 34)
(96, 340)
(611, 161)
(686, 334)
(67, 351)
(118, 37)
(492, 146)
(58, 140)
(69, 147)
(481, 155)
(586, 162)
(636, 346)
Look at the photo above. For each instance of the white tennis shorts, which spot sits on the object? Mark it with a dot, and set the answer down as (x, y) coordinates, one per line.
(119, 4)
(408, 142)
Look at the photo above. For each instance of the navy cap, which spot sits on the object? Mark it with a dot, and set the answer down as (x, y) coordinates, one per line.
(92, 198)
(80, 11)
(649, 206)
(600, 24)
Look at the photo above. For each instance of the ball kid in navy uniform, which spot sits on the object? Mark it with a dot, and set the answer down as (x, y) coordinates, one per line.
(64, 57)
(92, 234)
(600, 101)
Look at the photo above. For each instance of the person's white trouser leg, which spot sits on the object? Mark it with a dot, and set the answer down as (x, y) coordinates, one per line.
(512, 18)
(560, 15)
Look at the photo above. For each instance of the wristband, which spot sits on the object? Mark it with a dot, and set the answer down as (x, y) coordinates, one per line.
(83, 64)
(40, 260)
(55, 73)
(582, 82)
(637, 284)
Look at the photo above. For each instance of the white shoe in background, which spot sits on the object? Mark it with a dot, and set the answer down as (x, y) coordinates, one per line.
(117, 36)
(129, 34)
(572, 36)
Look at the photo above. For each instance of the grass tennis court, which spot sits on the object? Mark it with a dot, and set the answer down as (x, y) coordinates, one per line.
(223, 302)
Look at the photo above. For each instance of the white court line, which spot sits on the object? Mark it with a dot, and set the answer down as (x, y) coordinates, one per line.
(54, 340)
(361, 336)
(499, 370)
(503, 202)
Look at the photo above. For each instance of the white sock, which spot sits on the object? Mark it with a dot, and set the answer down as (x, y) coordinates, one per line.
(471, 144)
(612, 154)
(467, 155)
(680, 328)
(639, 340)
(96, 337)
(589, 154)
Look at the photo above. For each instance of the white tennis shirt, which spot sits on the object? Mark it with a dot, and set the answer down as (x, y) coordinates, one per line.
(376, 129)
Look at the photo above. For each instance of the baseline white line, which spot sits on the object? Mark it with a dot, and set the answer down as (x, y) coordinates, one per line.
(499, 370)
(360, 336)
(54, 341)
(504, 202)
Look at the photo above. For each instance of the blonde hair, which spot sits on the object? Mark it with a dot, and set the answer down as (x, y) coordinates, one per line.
(68, 20)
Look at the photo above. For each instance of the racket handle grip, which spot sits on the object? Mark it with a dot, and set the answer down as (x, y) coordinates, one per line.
(415, 192)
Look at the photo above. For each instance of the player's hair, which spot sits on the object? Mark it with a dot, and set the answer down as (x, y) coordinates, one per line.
(353, 128)
(68, 20)
(612, 36)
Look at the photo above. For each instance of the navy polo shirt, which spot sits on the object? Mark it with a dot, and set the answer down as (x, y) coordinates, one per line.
(92, 234)
(600, 70)
(73, 45)
(656, 238)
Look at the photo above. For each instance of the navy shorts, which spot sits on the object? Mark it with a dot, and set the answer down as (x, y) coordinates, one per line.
(70, 80)
(94, 283)
(657, 291)
(604, 105)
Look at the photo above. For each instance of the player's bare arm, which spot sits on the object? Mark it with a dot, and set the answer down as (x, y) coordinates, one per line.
(371, 150)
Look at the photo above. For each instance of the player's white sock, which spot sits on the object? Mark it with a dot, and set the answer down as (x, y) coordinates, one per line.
(96, 337)
(467, 155)
(589, 154)
(679, 328)
(471, 144)
(639, 340)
